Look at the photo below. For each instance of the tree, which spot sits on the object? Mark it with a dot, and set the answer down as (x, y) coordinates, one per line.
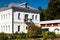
(42, 15)
(53, 10)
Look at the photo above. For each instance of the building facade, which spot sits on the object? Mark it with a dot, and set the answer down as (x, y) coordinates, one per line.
(52, 26)
(17, 17)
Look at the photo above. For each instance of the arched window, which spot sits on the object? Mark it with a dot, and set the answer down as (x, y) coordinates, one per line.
(6, 16)
(18, 15)
(26, 16)
(1, 17)
(56, 30)
(9, 15)
(18, 28)
(1, 28)
(6, 27)
(36, 17)
(32, 16)
(9, 27)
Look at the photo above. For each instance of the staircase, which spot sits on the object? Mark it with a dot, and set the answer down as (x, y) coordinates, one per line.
(28, 22)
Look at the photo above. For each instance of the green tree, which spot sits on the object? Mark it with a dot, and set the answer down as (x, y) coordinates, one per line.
(53, 10)
(42, 15)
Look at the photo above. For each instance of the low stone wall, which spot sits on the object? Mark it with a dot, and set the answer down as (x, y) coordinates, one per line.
(54, 39)
(42, 39)
(38, 39)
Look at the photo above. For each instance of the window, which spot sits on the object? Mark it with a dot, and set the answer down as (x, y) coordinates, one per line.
(45, 29)
(18, 15)
(36, 17)
(26, 16)
(9, 15)
(1, 17)
(6, 27)
(6, 16)
(18, 28)
(55, 24)
(27, 27)
(9, 27)
(49, 25)
(1, 28)
(32, 16)
(42, 25)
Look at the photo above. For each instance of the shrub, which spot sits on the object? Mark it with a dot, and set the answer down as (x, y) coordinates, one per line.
(4, 36)
(48, 34)
(22, 35)
(16, 36)
(34, 30)
(57, 35)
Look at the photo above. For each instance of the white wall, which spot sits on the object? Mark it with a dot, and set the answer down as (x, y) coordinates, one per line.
(51, 29)
(6, 20)
(22, 17)
(22, 27)
(21, 22)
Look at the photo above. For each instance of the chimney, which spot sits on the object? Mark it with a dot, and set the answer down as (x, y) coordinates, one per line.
(26, 5)
(5, 6)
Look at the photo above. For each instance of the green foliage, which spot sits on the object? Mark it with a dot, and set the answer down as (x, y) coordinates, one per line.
(48, 35)
(4, 36)
(57, 35)
(23, 35)
(34, 30)
(42, 14)
(15, 36)
(53, 10)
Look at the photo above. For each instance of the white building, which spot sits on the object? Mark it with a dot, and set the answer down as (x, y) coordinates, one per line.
(52, 26)
(16, 18)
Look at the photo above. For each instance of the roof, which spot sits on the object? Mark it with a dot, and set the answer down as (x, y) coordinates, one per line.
(18, 6)
(49, 22)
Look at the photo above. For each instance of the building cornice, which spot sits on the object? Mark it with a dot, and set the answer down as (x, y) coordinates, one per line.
(18, 7)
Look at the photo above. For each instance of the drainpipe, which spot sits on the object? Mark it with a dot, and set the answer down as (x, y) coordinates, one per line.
(12, 22)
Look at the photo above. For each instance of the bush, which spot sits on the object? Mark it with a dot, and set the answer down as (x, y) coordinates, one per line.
(4, 36)
(34, 30)
(22, 35)
(48, 34)
(57, 35)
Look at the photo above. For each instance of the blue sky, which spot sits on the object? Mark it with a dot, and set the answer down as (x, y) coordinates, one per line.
(33, 3)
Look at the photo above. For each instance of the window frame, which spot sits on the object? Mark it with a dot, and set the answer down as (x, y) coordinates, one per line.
(19, 16)
(26, 16)
(18, 28)
(35, 17)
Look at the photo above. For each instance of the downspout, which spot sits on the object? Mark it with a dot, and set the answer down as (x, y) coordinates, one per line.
(12, 21)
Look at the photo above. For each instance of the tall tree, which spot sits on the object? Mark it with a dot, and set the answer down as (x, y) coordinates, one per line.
(42, 16)
(53, 10)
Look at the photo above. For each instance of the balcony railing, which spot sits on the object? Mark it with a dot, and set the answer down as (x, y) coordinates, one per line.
(27, 20)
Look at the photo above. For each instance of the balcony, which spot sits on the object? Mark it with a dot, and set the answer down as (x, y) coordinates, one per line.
(27, 20)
